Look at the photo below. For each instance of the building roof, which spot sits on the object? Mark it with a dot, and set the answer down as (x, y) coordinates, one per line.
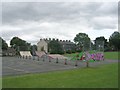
(9, 50)
(60, 41)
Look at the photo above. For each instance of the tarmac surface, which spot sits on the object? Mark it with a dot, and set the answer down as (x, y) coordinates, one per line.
(19, 66)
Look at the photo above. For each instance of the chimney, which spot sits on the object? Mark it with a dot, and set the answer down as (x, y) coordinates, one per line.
(57, 39)
(49, 39)
(53, 39)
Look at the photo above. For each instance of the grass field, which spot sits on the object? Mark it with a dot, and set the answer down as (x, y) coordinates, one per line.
(105, 76)
(111, 55)
(108, 55)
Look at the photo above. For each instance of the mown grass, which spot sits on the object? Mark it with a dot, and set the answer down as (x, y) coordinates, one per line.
(105, 76)
(111, 55)
(0, 83)
(107, 55)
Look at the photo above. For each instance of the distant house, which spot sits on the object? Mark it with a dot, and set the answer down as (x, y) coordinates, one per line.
(9, 52)
(42, 45)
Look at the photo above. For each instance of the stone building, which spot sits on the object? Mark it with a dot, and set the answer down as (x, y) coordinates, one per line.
(42, 45)
(9, 52)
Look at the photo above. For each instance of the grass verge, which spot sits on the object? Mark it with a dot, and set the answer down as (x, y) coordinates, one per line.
(105, 76)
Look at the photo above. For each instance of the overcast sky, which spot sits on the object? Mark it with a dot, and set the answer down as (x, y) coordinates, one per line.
(34, 20)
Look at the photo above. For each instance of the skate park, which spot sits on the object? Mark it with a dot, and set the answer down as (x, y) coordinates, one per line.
(30, 64)
(27, 64)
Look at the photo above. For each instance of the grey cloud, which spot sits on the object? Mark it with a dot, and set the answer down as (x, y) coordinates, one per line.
(51, 11)
(67, 15)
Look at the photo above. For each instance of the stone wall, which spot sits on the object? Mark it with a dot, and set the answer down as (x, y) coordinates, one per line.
(42, 45)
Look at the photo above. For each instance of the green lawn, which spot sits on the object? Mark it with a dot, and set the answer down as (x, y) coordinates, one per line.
(108, 55)
(105, 76)
(0, 82)
(111, 55)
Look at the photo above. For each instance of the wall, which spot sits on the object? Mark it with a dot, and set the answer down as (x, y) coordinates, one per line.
(41, 44)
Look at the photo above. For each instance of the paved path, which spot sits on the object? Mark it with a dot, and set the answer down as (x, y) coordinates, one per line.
(18, 66)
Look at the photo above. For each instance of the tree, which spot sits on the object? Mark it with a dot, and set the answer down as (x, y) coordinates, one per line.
(33, 48)
(19, 44)
(83, 41)
(102, 42)
(55, 47)
(114, 41)
(3, 44)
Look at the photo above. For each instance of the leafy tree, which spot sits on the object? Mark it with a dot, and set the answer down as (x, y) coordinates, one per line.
(19, 44)
(3, 44)
(33, 48)
(114, 41)
(55, 47)
(101, 41)
(82, 40)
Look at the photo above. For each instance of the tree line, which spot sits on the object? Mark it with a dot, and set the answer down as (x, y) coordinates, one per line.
(81, 40)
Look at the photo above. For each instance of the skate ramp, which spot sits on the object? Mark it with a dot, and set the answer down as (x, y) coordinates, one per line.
(40, 54)
(54, 56)
(25, 53)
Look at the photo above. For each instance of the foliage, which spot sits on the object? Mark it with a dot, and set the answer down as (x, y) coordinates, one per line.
(114, 41)
(3, 44)
(19, 44)
(55, 47)
(105, 76)
(82, 40)
(102, 42)
(33, 48)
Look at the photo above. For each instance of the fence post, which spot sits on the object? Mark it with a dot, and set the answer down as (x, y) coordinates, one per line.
(49, 59)
(65, 61)
(76, 63)
(87, 63)
(57, 60)
(38, 58)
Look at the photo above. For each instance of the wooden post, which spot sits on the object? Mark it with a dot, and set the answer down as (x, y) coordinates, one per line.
(26, 57)
(57, 60)
(49, 59)
(29, 57)
(23, 56)
(33, 57)
(65, 61)
(76, 63)
(43, 59)
(87, 63)
(38, 58)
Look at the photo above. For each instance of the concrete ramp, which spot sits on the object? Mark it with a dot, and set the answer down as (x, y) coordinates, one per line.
(25, 53)
(54, 56)
(40, 54)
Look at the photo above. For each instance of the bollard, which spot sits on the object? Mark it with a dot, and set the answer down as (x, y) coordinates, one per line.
(65, 61)
(49, 59)
(43, 59)
(57, 60)
(29, 57)
(87, 63)
(33, 58)
(38, 58)
(26, 57)
(23, 56)
(76, 63)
